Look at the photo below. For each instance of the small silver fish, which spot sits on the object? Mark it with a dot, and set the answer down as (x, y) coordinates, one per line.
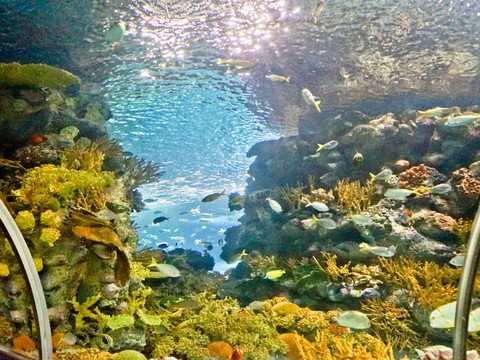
(321, 207)
(379, 250)
(440, 189)
(328, 224)
(310, 99)
(329, 145)
(354, 320)
(399, 194)
(273, 77)
(362, 220)
(457, 261)
(238, 63)
(318, 9)
(357, 159)
(463, 120)
(436, 111)
(382, 175)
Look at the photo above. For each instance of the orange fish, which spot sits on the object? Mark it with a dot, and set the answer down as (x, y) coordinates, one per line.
(236, 354)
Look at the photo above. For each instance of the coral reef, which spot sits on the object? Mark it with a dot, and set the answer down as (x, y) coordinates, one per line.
(35, 76)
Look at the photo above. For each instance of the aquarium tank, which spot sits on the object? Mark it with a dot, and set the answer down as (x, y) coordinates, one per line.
(238, 179)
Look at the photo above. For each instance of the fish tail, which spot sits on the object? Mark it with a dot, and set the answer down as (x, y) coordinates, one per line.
(287, 79)
(220, 61)
(315, 19)
(316, 105)
(372, 178)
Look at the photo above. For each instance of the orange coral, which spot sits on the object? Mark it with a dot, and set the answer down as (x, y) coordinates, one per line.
(220, 349)
(415, 176)
(236, 354)
(337, 329)
(23, 344)
(299, 348)
(467, 183)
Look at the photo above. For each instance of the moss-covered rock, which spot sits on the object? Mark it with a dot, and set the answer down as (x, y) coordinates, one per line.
(35, 76)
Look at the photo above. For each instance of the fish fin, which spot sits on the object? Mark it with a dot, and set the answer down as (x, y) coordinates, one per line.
(316, 105)
(220, 61)
(287, 79)
(320, 147)
(122, 269)
(372, 177)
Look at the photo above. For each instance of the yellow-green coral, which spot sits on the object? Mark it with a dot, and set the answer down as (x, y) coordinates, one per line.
(139, 271)
(50, 235)
(38, 263)
(51, 218)
(25, 220)
(83, 310)
(120, 321)
(42, 184)
(353, 197)
(88, 158)
(4, 270)
(35, 76)
(6, 332)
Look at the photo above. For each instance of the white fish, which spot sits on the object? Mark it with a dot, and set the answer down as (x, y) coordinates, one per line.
(457, 261)
(321, 207)
(275, 206)
(353, 320)
(310, 99)
(463, 120)
(238, 63)
(379, 250)
(444, 316)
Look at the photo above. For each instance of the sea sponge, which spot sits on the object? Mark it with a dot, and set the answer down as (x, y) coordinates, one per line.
(50, 235)
(220, 349)
(35, 76)
(25, 220)
(415, 176)
(23, 344)
(466, 181)
(51, 218)
(4, 270)
(129, 355)
(285, 308)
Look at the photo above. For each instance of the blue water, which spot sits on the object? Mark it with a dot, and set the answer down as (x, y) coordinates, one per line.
(199, 120)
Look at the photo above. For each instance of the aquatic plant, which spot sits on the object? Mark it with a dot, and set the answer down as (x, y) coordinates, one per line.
(392, 323)
(430, 284)
(353, 197)
(35, 76)
(45, 185)
(141, 172)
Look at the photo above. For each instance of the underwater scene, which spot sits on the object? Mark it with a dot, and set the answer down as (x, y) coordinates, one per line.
(237, 179)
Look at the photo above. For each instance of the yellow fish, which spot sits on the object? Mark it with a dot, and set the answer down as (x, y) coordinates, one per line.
(275, 274)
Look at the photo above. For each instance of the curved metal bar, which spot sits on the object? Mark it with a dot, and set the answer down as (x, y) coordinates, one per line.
(465, 290)
(34, 286)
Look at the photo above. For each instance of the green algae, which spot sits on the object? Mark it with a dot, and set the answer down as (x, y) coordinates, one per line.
(35, 76)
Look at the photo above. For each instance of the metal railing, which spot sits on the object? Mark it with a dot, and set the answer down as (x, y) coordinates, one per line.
(15, 237)
(465, 291)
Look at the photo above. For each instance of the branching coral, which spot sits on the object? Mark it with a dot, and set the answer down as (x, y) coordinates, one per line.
(392, 323)
(6, 331)
(260, 265)
(293, 196)
(88, 158)
(336, 273)
(141, 172)
(462, 228)
(432, 285)
(353, 197)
